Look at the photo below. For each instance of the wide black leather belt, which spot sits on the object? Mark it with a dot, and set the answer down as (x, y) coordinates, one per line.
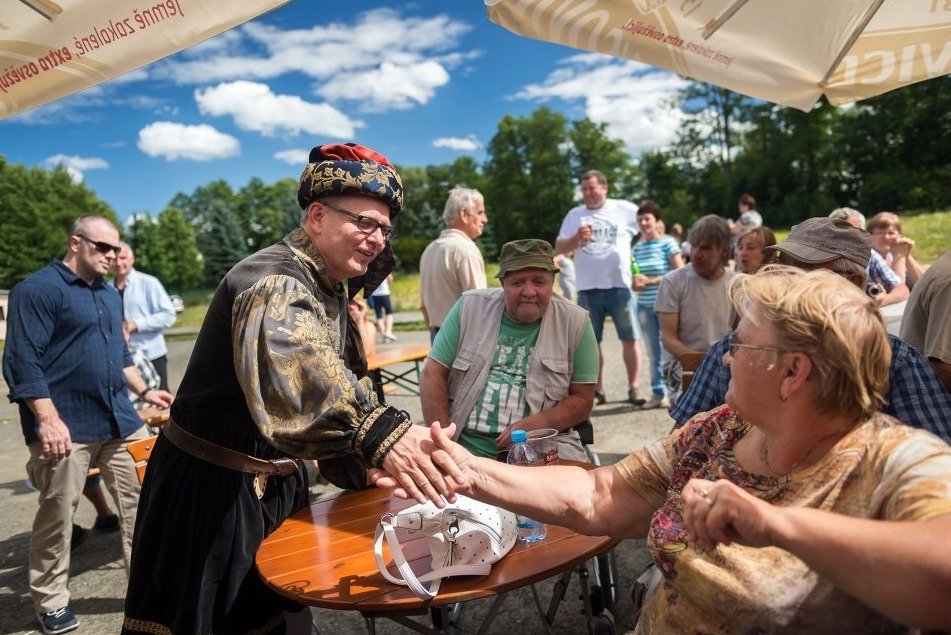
(226, 457)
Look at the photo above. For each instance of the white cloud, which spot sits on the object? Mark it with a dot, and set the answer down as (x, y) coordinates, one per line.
(177, 141)
(628, 96)
(381, 60)
(390, 86)
(294, 156)
(254, 107)
(463, 144)
(76, 165)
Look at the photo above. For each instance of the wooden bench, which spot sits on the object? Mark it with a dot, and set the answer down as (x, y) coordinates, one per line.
(150, 416)
(378, 368)
(690, 362)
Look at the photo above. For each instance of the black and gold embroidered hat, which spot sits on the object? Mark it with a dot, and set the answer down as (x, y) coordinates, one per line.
(349, 168)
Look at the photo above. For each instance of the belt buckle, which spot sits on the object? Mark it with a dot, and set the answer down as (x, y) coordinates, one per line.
(260, 482)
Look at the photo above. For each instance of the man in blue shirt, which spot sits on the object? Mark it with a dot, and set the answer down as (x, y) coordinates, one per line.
(915, 394)
(146, 310)
(67, 367)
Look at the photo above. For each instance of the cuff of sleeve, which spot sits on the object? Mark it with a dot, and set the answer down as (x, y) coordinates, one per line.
(32, 390)
(379, 432)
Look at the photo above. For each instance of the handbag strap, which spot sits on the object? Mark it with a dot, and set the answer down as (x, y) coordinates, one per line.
(385, 529)
(410, 579)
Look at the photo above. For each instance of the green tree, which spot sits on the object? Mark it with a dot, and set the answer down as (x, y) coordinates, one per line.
(222, 244)
(708, 141)
(788, 162)
(142, 233)
(530, 175)
(593, 149)
(178, 265)
(665, 183)
(37, 208)
(894, 149)
(261, 213)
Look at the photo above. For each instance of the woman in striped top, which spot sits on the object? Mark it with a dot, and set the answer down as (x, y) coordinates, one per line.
(655, 254)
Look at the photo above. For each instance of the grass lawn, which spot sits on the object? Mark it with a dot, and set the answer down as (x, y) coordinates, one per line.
(930, 231)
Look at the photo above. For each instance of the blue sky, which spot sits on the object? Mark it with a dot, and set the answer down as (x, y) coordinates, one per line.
(424, 83)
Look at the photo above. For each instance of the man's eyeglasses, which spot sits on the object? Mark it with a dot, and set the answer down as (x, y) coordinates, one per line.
(734, 344)
(102, 247)
(364, 223)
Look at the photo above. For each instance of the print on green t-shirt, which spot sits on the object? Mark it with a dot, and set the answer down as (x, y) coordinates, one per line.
(502, 404)
(502, 401)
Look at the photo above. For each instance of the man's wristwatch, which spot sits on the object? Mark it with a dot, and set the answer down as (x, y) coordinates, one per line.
(144, 393)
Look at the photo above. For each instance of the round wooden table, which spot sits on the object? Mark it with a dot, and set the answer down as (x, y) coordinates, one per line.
(323, 556)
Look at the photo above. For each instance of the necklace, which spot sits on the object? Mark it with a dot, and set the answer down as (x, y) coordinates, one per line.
(797, 464)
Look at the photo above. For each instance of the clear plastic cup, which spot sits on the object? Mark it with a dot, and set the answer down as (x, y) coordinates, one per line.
(545, 444)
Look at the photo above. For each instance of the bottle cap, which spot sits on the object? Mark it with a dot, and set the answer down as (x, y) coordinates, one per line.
(519, 436)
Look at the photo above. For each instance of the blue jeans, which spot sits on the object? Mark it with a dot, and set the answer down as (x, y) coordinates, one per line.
(650, 327)
(618, 303)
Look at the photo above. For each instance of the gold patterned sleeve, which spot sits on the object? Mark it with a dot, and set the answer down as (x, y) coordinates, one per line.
(288, 360)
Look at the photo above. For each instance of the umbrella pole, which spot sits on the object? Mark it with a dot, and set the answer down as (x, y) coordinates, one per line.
(856, 32)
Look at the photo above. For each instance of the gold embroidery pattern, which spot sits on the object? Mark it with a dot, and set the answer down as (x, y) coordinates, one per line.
(287, 352)
(144, 626)
(389, 442)
(366, 425)
(329, 177)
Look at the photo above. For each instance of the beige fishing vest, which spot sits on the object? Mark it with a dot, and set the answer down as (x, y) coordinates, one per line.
(549, 367)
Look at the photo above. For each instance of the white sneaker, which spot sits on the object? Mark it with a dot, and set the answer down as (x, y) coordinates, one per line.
(389, 337)
(656, 402)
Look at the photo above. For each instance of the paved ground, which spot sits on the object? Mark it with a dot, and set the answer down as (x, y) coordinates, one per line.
(98, 580)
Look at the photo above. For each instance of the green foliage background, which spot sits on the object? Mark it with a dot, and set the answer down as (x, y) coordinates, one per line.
(887, 153)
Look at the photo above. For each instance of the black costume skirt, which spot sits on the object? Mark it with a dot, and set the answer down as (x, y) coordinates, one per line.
(196, 534)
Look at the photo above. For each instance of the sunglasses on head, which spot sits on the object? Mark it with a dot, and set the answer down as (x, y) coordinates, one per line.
(102, 247)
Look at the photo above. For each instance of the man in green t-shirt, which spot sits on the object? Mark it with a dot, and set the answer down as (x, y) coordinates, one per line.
(515, 358)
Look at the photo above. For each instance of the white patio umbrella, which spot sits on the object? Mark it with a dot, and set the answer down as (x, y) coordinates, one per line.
(52, 49)
(789, 52)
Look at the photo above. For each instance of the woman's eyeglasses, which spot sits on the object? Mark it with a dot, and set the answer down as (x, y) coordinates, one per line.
(734, 344)
(364, 223)
(102, 247)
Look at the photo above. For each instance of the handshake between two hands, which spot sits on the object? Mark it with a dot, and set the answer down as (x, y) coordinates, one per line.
(425, 464)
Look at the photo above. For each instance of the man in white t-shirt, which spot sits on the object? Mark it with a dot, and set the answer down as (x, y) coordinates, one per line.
(600, 234)
(692, 302)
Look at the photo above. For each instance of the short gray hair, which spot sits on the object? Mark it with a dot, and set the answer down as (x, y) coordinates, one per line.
(846, 213)
(710, 229)
(460, 198)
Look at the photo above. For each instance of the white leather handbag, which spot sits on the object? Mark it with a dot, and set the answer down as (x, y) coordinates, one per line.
(465, 538)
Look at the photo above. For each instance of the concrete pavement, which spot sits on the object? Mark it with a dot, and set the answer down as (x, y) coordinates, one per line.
(98, 580)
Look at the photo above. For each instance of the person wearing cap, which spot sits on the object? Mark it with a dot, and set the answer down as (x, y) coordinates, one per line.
(914, 395)
(795, 507)
(515, 358)
(887, 286)
(277, 374)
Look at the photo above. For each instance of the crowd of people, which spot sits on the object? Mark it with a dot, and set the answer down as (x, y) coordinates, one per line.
(805, 485)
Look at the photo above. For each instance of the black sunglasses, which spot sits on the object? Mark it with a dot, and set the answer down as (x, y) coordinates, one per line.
(102, 247)
(364, 223)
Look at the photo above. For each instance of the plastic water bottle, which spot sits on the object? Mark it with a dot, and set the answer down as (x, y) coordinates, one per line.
(635, 268)
(522, 454)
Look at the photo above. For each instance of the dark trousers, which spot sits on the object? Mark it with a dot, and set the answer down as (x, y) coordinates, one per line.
(161, 367)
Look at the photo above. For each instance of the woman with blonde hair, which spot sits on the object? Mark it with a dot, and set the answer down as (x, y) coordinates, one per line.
(796, 506)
